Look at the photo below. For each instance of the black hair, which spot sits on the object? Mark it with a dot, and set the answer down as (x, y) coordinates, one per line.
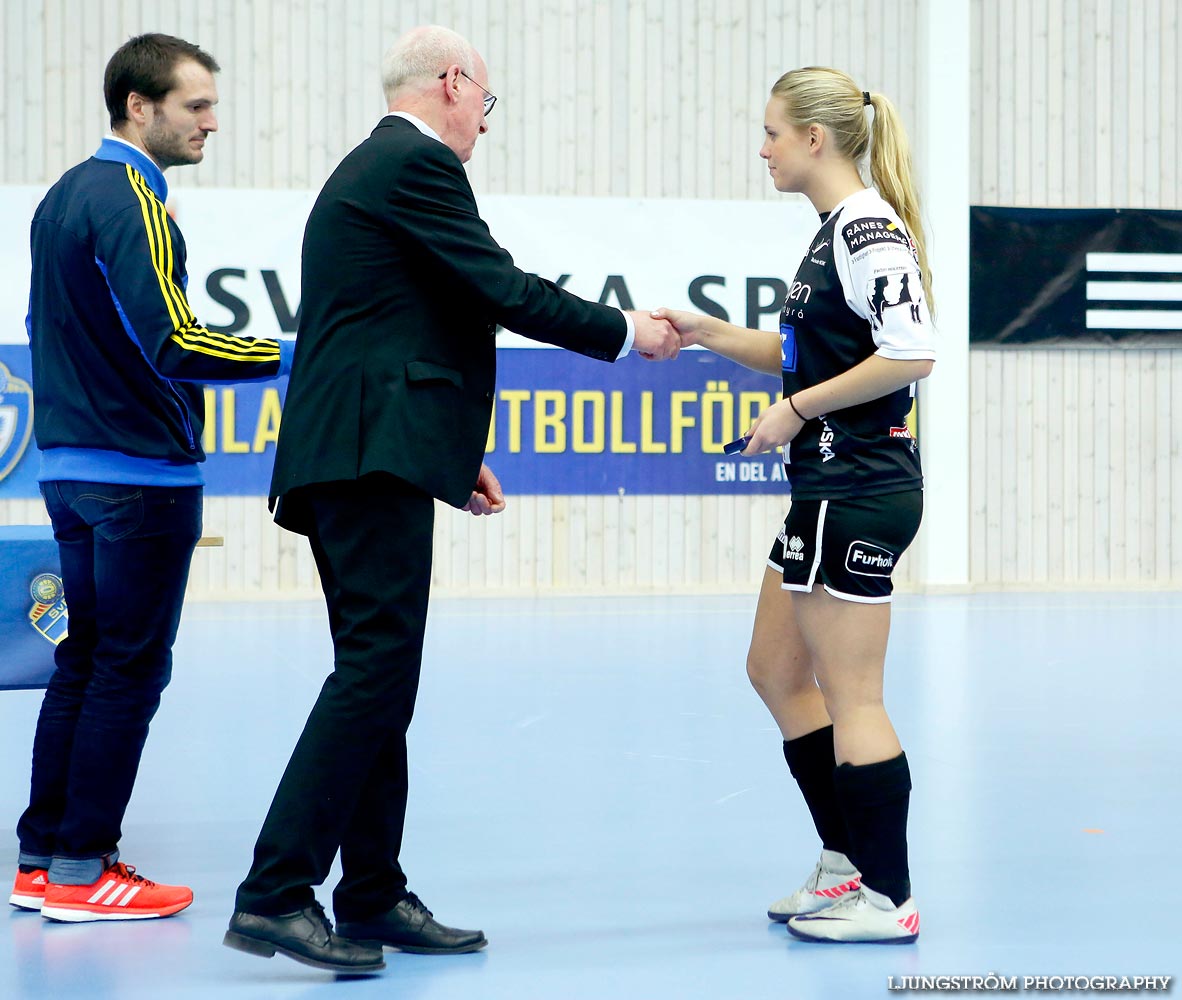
(146, 65)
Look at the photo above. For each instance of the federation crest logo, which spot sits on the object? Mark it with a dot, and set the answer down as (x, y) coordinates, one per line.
(48, 614)
(16, 419)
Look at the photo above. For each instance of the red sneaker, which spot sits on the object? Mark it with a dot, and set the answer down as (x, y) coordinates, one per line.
(28, 890)
(120, 894)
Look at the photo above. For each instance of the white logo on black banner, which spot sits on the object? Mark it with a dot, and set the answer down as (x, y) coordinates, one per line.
(867, 559)
(1143, 291)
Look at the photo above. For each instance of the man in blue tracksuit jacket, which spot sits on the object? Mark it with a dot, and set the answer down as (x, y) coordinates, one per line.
(119, 361)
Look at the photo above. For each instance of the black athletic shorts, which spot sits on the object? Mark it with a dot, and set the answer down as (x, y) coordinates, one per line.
(853, 545)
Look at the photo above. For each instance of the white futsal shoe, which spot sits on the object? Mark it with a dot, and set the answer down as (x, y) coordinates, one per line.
(863, 915)
(833, 878)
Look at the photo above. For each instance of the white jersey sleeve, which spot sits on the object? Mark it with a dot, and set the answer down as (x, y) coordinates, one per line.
(878, 267)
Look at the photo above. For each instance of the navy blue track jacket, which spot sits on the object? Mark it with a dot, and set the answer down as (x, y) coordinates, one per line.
(119, 359)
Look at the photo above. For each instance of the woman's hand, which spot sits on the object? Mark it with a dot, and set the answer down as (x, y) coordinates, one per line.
(688, 325)
(773, 428)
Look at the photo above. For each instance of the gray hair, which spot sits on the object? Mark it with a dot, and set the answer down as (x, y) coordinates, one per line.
(422, 54)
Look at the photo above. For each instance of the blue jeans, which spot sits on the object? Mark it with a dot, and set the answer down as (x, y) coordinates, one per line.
(125, 554)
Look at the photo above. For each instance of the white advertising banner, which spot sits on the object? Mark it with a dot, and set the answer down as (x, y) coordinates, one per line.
(731, 257)
(562, 424)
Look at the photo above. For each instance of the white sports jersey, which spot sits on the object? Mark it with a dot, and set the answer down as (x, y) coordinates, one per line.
(858, 292)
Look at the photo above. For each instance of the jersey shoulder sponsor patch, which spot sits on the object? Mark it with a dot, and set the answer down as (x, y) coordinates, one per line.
(869, 231)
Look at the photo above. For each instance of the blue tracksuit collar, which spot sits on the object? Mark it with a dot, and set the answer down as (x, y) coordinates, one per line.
(123, 152)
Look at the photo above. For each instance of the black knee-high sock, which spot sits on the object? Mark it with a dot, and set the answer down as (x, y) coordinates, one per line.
(874, 799)
(811, 761)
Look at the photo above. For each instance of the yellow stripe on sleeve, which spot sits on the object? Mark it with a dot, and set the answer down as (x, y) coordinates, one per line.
(195, 339)
(188, 333)
(163, 280)
(198, 348)
(163, 253)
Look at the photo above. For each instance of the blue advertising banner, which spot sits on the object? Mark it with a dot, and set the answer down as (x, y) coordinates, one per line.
(563, 424)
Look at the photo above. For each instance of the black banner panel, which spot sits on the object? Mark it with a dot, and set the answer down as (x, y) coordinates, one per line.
(1049, 277)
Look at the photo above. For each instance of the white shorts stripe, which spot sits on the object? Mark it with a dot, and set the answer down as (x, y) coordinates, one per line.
(857, 599)
(820, 530)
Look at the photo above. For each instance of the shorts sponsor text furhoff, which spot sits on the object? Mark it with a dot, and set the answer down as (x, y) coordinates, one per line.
(867, 559)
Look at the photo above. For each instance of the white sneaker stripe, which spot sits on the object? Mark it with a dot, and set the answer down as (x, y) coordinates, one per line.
(106, 887)
(110, 900)
(131, 895)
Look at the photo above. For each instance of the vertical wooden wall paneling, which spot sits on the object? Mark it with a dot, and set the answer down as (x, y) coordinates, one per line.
(1074, 147)
(1022, 513)
(979, 422)
(1000, 485)
(1073, 432)
(1060, 502)
(1144, 171)
(989, 105)
(1126, 115)
(1025, 86)
(1075, 460)
(1041, 524)
(1105, 187)
(1108, 556)
(1052, 138)
(1168, 97)
(1155, 436)
(1040, 113)
(1175, 470)
(1089, 398)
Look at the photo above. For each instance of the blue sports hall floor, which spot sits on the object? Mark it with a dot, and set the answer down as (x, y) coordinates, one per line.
(594, 783)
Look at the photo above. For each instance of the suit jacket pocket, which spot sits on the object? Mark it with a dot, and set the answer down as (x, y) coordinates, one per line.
(429, 371)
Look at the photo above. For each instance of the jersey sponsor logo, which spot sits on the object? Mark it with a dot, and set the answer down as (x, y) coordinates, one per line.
(800, 292)
(905, 434)
(820, 246)
(16, 419)
(825, 442)
(787, 347)
(890, 291)
(794, 549)
(863, 233)
(868, 559)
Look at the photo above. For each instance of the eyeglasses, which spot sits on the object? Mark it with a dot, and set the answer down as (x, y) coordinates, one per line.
(489, 99)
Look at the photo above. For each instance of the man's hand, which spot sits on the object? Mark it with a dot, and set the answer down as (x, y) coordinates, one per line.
(488, 497)
(655, 339)
(688, 325)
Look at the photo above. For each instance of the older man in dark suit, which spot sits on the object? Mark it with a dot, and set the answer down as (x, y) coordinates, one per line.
(388, 408)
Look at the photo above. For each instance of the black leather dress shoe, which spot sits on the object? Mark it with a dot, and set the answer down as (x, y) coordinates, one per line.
(411, 927)
(306, 936)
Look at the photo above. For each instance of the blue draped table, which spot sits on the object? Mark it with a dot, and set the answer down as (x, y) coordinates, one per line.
(33, 617)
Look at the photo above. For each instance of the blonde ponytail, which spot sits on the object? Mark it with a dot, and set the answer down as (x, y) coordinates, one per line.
(893, 176)
(831, 98)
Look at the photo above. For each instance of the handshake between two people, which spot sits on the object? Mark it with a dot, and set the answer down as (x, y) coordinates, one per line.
(659, 337)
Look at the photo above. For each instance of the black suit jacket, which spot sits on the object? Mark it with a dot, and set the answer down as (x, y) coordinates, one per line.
(402, 289)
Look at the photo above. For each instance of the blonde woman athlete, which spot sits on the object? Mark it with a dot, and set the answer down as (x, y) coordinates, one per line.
(855, 336)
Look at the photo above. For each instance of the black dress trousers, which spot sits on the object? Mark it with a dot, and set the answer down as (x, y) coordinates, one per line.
(346, 783)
